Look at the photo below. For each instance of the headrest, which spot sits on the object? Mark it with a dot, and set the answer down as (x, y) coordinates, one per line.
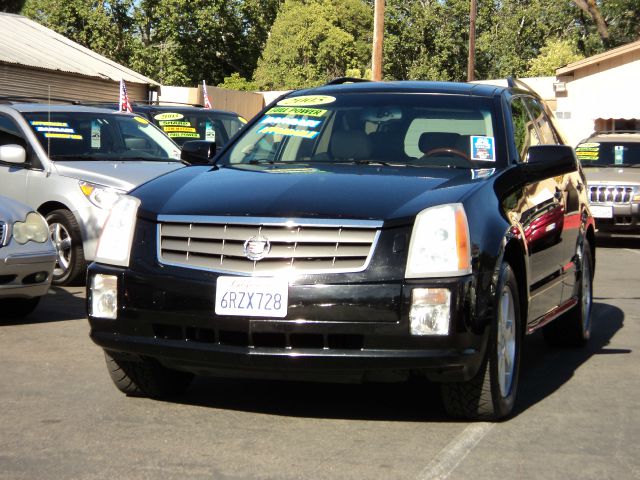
(430, 140)
(348, 144)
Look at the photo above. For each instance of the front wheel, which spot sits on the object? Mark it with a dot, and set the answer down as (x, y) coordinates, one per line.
(491, 393)
(65, 235)
(146, 378)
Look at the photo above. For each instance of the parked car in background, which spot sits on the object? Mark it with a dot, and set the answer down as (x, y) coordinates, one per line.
(27, 258)
(611, 163)
(71, 163)
(183, 123)
(353, 232)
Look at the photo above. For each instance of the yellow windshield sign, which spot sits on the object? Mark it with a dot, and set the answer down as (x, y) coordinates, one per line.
(306, 100)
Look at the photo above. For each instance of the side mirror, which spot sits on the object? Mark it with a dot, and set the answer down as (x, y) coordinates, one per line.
(198, 152)
(545, 161)
(13, 154)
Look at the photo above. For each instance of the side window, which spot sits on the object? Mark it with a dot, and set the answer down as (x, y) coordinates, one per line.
(9, 132)
(523, 128)
(542, 122)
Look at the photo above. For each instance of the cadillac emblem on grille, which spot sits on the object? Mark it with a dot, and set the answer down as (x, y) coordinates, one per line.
(256, 248)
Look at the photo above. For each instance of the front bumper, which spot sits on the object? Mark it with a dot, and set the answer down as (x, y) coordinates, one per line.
(623, 219)
(25, 275)
(337, 332)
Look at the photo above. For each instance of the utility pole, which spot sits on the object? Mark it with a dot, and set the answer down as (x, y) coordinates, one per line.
(378, 34)
(471, 64)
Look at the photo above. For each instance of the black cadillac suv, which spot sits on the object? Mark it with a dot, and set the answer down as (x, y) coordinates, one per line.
(354, 231)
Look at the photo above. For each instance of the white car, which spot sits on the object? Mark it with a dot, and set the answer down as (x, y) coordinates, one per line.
(27, 258)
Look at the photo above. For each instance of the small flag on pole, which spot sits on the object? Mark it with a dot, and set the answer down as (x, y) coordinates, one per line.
(125, 104)
(207, 102)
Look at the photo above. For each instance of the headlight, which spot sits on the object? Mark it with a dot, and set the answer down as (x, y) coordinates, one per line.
(114, 246)
(101, 197)
(439, 243)
(33, 229)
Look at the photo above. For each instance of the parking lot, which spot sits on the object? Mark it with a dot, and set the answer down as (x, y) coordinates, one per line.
(576, 415)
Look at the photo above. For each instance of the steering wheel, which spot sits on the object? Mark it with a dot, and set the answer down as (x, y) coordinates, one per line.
(448, 150)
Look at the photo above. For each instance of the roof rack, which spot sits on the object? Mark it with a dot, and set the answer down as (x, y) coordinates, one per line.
(341, 80)
(615, 131)
(516, 82)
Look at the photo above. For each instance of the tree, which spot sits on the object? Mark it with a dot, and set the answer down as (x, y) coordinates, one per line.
(179, 42)
(555, 54)
(314, 41)
(11, 6)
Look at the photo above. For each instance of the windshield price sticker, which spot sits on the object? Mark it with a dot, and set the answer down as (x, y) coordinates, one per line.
(308, 112)
(482, 148)
(306, 100)
(252, 296)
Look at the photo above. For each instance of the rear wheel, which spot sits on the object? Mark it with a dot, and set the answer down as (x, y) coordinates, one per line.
(491, 393)
(65, 234)
(573, 329)
(147, 378)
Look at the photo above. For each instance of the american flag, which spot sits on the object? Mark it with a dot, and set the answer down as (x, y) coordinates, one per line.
(207, 102)
(125, 104)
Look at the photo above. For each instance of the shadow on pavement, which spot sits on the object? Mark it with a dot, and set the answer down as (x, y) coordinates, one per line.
(58, 305)
(545, 370)
(618, 242)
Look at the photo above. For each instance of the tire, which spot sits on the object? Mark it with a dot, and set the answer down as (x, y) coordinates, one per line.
(19, 307)
(70, 262)
(573, 329)
(491, 393)
(147, 378)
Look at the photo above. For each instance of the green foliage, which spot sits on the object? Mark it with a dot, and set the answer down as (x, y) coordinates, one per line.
(300, 43)
(236, 82)
(177, 42)
(314, 41)
(555, 54)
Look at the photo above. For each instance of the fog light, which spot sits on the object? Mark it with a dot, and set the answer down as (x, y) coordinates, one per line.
(104, 296)
(429, 313)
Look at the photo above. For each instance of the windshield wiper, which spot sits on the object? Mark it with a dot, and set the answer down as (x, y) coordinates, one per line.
(72, 157)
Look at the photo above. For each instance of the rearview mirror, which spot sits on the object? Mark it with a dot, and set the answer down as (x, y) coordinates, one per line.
(198, 152)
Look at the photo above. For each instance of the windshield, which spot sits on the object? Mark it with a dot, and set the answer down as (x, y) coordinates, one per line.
(388, 128)
(100, 136)
(610, 153)
(200, 124)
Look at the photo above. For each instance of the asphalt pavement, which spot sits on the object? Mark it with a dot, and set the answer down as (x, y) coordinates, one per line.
(576, 416)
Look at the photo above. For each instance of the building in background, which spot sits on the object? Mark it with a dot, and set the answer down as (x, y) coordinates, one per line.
(599, 93)
(35, 61)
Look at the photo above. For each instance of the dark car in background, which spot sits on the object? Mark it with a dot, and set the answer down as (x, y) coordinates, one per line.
(611, 162)
(183, 123)
(354, 232)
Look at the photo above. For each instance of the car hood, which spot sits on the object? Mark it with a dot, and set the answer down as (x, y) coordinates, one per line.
(612, 176)
(303, 191)
(123, 175)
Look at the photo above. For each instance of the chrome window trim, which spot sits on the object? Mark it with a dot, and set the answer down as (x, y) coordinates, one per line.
(269, 221)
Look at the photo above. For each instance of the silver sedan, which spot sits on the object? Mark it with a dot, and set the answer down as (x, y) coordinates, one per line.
(27, 258)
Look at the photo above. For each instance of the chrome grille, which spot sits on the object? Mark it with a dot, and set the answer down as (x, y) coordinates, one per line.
(3, 233)
(610, 194)
(299, 246)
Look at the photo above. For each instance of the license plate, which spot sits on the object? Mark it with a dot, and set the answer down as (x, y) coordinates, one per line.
(601, 211)
(252, 297)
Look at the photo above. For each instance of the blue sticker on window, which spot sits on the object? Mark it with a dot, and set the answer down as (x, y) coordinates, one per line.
(483, 148)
